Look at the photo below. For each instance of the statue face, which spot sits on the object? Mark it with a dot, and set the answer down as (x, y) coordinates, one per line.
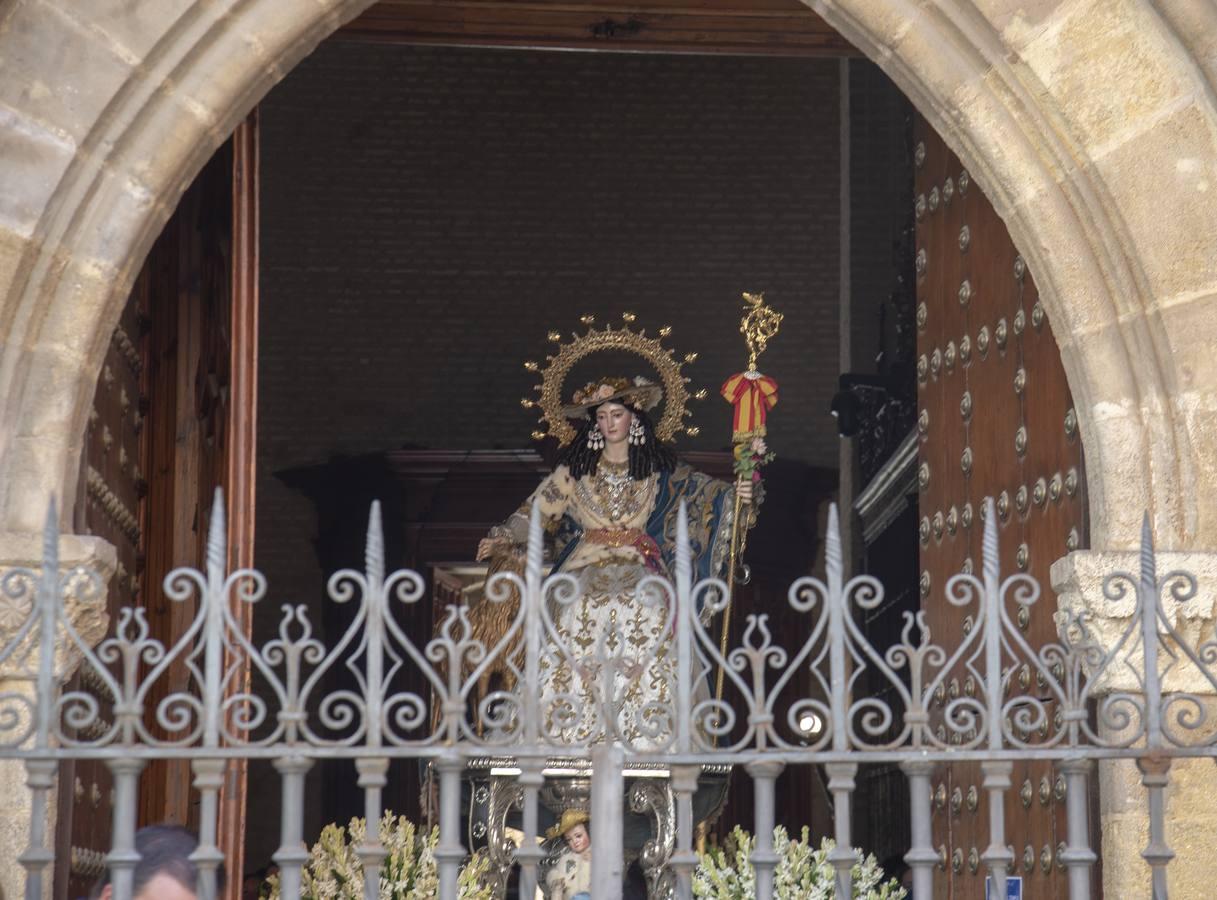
(578, 839)
(614, 421)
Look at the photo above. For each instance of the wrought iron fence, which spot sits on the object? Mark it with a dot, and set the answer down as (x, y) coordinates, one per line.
(1073, 713)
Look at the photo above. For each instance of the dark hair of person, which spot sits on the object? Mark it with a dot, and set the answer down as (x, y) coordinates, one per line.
(164, 850)
(645, 459)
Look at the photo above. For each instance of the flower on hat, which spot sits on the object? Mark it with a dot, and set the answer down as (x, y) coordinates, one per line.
(637, 391)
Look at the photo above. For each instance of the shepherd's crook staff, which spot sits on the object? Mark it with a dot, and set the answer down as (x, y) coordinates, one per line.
(753, 395)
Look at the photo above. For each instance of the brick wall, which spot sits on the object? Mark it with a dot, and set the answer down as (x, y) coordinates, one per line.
(881, 182)
(429, 213)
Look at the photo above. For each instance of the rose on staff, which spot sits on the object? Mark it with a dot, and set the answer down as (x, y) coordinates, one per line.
(750, 456)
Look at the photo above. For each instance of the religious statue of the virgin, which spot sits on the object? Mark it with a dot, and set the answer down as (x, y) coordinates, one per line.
(610, 507)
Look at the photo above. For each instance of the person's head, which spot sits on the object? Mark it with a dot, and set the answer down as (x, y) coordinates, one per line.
(165, 870)
(572, 828)
(612, 412)
(577, 838)
(617, 423)
(613, 421)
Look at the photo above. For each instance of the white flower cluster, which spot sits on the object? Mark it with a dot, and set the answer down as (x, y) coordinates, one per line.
(335, 872)
(803, 872)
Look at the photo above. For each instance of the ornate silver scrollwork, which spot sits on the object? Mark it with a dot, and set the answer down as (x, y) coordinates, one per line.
(505, 795)
(655, 797)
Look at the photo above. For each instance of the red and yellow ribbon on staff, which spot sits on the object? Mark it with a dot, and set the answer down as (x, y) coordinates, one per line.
(752, 395)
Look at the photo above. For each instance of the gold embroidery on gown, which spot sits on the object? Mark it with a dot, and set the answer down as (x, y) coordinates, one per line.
(609, 609)
(612, 510)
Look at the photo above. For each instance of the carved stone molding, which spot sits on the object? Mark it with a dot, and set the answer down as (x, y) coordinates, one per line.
(88, 615)
(1079, 582)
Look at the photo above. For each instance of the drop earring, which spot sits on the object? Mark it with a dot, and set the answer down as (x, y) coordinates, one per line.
(595, 438)
(638, 434)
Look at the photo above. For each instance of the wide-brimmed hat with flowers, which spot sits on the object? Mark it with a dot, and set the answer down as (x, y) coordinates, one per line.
(570, 818)
(641, 393)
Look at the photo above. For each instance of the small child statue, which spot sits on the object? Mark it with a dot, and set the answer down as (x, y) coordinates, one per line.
(571, 875)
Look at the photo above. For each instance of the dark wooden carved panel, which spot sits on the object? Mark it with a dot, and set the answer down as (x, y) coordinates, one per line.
(995, 420)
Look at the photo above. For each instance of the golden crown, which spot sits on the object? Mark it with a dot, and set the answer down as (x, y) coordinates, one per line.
(554, 414)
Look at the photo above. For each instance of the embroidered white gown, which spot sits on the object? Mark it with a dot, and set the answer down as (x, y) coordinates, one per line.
(615, 678)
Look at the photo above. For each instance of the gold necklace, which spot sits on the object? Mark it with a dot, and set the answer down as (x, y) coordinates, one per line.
(614, 495)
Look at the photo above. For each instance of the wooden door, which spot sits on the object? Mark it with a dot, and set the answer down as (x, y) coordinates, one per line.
(172, 419)
(995, 419)
(109, 504)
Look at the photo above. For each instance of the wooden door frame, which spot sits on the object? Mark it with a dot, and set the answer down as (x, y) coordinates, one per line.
(240, 482)
(735, 27)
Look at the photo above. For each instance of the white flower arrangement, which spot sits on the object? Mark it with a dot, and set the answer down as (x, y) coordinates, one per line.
(409, 872)
(803, 872)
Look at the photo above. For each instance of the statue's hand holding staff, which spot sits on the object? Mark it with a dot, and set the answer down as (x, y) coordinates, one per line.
(495, 546)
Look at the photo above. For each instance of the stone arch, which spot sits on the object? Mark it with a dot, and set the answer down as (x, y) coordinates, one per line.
(1081, 173)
